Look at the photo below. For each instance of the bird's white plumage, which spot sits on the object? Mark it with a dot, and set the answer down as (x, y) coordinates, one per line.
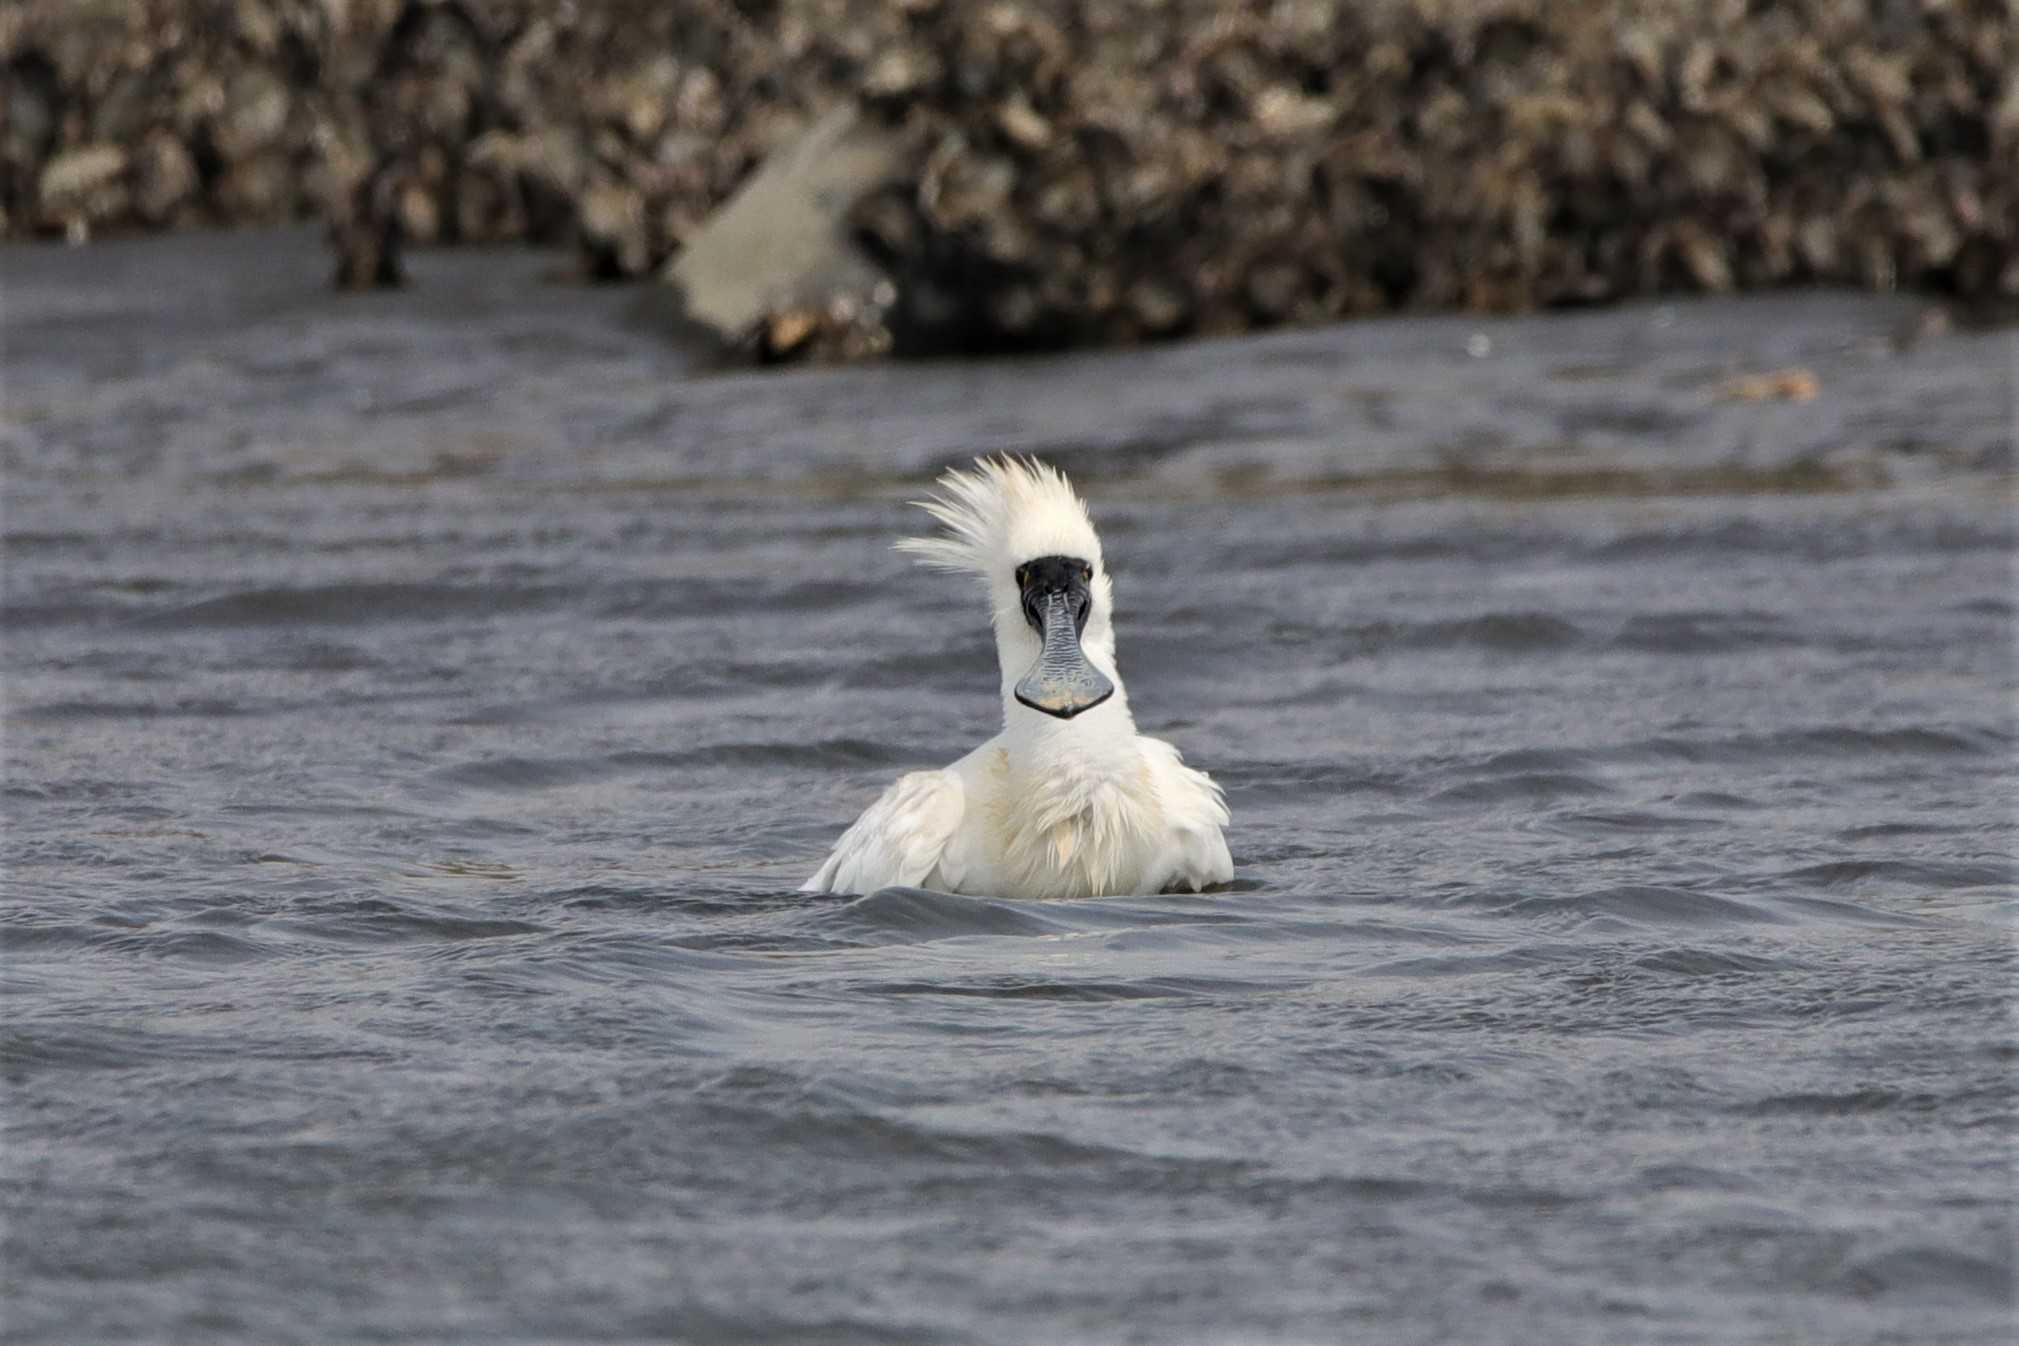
(1005, 508)
(1048, 808)
(899, 839)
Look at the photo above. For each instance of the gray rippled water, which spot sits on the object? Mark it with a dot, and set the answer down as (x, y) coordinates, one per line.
(420, 709)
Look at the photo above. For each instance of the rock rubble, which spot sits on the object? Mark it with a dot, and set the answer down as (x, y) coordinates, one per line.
(1065, 171)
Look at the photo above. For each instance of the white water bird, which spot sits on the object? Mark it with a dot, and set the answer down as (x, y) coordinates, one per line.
(1068, 800)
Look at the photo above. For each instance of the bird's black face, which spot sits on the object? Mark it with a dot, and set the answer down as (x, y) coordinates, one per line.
(1049, 575)
(1057, 601)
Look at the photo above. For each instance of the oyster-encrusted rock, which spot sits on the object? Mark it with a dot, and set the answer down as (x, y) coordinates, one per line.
(1070, 171)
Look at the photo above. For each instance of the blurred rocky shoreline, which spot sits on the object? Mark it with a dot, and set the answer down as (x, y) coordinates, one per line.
(1060, 172)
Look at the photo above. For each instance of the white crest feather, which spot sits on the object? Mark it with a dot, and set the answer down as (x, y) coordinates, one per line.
(1002, 512)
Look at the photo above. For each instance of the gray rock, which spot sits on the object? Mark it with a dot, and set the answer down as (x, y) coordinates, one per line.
(164, 178)
(255, 113)
(84, 186)
(781, 242)
(612, 225)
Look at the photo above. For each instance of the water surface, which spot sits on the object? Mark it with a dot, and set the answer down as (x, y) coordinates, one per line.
(421, 707)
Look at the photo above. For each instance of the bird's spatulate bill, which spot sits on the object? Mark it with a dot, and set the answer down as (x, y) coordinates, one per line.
(1062, 682)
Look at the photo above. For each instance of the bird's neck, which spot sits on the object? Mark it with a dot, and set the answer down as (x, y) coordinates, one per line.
(1094, 744)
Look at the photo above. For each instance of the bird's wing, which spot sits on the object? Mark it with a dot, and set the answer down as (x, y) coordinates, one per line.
(898, 840)
(1202, 861)
(1195, 855)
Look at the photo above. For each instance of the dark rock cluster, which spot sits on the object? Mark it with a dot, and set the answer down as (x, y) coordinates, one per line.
(160, 113)
(619, 124)
(1113, 170)
(1069, 171)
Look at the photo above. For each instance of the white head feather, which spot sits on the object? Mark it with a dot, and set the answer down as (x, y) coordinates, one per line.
(1000, 513)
